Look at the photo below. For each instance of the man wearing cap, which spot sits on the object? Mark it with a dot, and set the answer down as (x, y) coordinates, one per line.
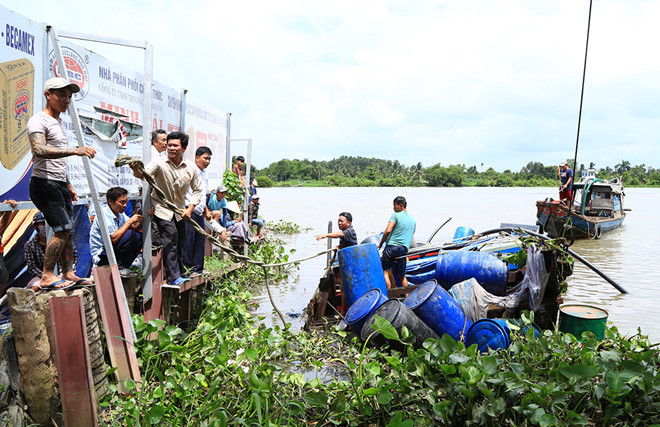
(566, 176)
(50, 189)
(173, 174)
(35, 249)
(194, 254)
(218, 205)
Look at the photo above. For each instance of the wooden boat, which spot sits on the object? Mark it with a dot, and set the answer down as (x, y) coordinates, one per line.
(597, 208)
(328, 305)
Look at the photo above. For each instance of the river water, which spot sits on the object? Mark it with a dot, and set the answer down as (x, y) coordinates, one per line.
(628, 255)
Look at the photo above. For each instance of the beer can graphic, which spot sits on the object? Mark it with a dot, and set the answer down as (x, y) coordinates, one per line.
(17, 100)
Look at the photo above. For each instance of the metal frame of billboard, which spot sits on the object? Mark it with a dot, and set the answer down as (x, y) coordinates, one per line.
(248, 162)
(146, 135)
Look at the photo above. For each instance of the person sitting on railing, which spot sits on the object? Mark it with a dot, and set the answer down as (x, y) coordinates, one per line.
(218, 205)
(253, 215)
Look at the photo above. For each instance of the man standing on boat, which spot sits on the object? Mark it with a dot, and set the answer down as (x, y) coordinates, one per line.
(173, 174)
(346, 233)
(398, 235)
(566, 176)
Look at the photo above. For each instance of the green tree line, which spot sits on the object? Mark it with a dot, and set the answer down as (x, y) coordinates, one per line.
(349, 171)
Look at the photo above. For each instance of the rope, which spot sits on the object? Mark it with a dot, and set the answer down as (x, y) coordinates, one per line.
(125, 160)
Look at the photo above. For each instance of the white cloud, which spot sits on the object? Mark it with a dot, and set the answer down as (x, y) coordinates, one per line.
(459, 82)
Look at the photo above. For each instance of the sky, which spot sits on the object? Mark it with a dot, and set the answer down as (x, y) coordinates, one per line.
(490, 83)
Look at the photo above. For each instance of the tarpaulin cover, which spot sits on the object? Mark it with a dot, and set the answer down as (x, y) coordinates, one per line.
(475, 299)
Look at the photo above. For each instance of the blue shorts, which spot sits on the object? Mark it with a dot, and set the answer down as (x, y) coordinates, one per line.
(53, 199)
(389, 255)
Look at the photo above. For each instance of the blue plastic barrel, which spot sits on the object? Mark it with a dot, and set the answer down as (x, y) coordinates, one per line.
(399, 315)
(456, 266)
(363, 308)
(463, 232)
(439, 310)
(494, 334)
(361, 271)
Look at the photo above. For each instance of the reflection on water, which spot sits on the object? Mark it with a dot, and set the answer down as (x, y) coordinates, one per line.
(628, 255)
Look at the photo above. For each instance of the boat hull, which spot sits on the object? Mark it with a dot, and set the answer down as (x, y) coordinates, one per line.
(557, 221)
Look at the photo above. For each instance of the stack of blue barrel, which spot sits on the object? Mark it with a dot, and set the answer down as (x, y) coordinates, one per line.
(429, 311)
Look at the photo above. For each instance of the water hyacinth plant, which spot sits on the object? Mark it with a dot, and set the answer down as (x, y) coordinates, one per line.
(230, 369)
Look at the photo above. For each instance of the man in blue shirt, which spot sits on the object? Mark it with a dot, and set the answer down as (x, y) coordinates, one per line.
(124, 232)
(398, 236)
(218, 205)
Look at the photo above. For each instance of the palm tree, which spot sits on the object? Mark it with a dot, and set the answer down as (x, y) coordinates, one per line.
(622, 167)
(416, 172)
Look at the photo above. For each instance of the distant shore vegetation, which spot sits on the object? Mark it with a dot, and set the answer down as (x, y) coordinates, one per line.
(348, 171)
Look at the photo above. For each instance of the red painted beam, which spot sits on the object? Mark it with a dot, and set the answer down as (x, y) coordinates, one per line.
(116, 323)
(67, 316)
(153, 309)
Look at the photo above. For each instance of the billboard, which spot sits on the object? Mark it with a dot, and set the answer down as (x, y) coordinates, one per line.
(21, 65)
(109, 106)
(207, 126)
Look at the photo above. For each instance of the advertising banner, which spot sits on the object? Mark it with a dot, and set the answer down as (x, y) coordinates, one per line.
(109, 106)
(207, 126)
(21, 65)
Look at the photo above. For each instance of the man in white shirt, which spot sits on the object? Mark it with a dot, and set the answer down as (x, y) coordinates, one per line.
(194, 255)
(124, 232)
(158, 144)
(158, 150)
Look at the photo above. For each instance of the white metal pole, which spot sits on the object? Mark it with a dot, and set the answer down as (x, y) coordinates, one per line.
(147, 127)
(81, 143)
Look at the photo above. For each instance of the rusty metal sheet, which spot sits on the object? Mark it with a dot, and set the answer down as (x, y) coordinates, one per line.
(116, 323)
(73, 362)
(193, 283)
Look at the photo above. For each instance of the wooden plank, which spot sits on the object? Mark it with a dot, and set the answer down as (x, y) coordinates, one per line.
(67, 316)
(153, 309)
(116, 324)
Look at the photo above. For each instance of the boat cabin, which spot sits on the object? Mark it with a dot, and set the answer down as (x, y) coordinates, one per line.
(595, 197)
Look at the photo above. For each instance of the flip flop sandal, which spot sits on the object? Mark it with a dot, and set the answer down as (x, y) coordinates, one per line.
(52, 286)
(82, 283)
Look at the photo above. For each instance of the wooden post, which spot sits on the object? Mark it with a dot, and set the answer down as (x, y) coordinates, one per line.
(116, 324)
(67, 316)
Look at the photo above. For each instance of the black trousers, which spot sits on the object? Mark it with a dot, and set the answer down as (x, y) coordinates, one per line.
(194, 256)
(173, 237)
